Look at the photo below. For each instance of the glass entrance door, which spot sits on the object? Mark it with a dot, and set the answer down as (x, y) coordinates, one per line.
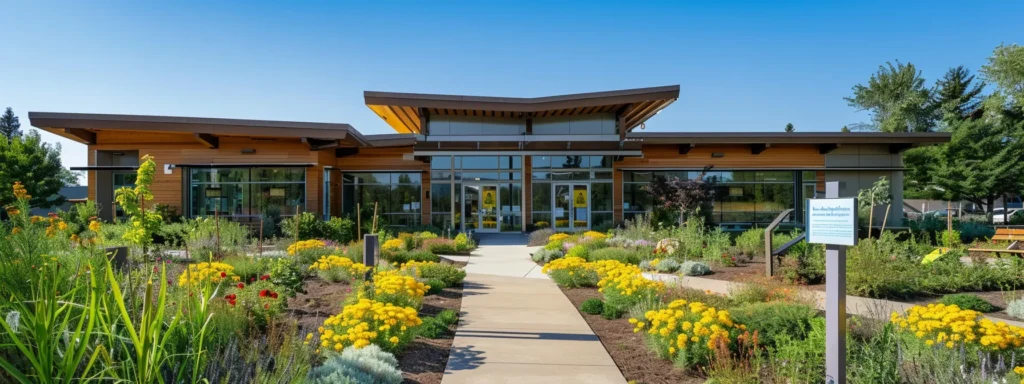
(480, 207)
(571, 207)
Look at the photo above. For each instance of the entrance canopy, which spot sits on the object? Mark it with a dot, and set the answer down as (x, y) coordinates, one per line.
(408, 112)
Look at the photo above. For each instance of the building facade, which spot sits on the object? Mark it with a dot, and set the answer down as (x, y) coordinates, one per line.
(484, 164)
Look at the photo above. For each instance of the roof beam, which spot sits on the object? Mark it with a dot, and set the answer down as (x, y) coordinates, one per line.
(899, 147)
(756, 149)
(825, 149)
(319, 144)
(85, 136)
(347, 151)
(645, 113)
(685, 148)
(210, 141)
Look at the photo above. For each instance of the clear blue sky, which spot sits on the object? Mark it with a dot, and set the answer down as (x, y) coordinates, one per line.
(742, 66)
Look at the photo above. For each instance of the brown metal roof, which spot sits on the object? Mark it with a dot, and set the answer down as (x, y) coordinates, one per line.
(917, 138)
(405, 112)
(82, 127)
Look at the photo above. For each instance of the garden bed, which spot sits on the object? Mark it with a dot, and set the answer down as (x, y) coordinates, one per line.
(636, 362)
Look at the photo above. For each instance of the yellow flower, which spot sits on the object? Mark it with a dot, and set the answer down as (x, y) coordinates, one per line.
(94, 226)
(303, 245)
(393, 339)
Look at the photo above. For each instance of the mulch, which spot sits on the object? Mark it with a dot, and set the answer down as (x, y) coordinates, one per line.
(636, 362)
(423, 361)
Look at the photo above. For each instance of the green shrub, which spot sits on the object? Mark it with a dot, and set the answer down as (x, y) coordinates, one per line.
(437, 326)
(578, 250)
(800, 359)
(668, 266)
(341, 231)
(369, 364)
(436, 286)
(402, 257)
(448, 274)
(694, 268)
(464, 244)
(553, 246)
(308, 224)
(773, 319)
(750, 243)
(950, 239)
(622, 255)
(287, 274)
(544, 256)
(248, 267)
(804, 264)
(971, 231)
(205, 234)
(611, 312)
(574, 279)
(540, 237)
(968, 301)
(592, 306)
(440, 246)
(691, 295)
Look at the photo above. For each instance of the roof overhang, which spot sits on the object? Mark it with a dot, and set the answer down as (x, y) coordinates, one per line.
(406, 112)
(82, 127)
(827, 141)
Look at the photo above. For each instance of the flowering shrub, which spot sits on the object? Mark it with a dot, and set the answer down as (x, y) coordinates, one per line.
(338, 268)
(687, 332)
(463, 243)
(571, 272)
(397, 288)
(303, 245)
(558, 237)
(261, 301)
(949, 326)
(393, 245)
(439, 246)
(370, 322)
(578, 250)
(595, 235)
(212, 272)
(624, 284)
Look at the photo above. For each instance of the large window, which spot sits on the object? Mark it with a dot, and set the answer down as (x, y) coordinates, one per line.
(450, 173)
(396, 196)
(246, 192)
(573, 170)
(741, 197)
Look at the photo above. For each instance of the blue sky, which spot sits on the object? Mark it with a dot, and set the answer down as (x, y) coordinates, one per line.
(742, 66)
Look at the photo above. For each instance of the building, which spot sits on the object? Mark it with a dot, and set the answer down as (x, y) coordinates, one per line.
(571, 162)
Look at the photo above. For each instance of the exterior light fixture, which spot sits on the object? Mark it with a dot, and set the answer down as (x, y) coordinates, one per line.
(717, 154)
(248, 150)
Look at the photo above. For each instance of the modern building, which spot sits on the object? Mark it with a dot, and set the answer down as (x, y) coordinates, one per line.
(571, 162)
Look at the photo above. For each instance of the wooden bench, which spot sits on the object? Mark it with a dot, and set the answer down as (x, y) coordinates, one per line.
(1011, 251)
(1008, 234)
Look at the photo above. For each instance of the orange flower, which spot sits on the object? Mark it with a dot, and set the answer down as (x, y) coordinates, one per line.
(20, 192)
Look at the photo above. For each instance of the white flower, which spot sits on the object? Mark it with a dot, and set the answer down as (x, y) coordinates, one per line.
(13, 319)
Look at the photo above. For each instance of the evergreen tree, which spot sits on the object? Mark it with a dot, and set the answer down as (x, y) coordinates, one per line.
(9, 125)
(845, 130)
(35, 164)
(789, 127)
(956, 94)
(897, 99)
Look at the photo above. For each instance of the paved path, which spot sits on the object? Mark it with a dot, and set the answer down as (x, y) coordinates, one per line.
(855, 305)
(516, 326)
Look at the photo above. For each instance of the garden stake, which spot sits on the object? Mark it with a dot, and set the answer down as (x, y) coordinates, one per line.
(375, 217)
(297, 219)
(359, 220)
(884, 219)
(216, 223)
(260, 244)
(871, 214)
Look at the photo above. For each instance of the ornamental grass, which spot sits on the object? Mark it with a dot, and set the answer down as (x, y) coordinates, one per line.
(368, 322)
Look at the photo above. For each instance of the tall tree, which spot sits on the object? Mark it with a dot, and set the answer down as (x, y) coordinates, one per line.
(789, 127)
(957, 96)
(980, 164)
(1005, 69)
(10, 127)
(37, 166)
(845, 130)
(897, 99)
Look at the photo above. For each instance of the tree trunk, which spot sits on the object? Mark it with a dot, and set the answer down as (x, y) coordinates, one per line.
(884, 219)
(871, 215)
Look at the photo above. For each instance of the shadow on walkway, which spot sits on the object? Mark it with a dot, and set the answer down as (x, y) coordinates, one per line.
(502, 239)
(528, 335)
(464, 358)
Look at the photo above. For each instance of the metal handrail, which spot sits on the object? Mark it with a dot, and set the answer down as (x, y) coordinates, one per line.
(770, 270)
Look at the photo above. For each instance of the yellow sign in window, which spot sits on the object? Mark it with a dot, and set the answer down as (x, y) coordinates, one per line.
(490, 198)
(579, 199)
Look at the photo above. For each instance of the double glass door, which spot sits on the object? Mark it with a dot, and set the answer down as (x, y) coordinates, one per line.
(480, 207)
(571, 206)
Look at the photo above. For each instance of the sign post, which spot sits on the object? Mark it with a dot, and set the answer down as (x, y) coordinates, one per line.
(833, 221)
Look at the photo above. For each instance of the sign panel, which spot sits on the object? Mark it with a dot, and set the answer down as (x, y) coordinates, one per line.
(832, 221)
(579, 199)
(490, 199)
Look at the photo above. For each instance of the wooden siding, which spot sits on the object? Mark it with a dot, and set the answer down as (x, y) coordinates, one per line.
(735, 157)
(183, 148)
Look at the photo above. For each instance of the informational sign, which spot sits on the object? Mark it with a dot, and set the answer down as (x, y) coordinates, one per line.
(490, 198)
(276, 192)
(832, 221)
(579, 198)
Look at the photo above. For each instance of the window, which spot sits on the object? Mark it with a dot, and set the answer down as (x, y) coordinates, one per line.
(396, 196)
(448, 173)
(576, 170)
(246, 192)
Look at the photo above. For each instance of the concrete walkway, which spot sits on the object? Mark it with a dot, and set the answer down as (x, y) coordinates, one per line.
(516, 326)
(855, 305)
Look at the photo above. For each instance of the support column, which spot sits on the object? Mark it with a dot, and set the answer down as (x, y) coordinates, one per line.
(835, 305)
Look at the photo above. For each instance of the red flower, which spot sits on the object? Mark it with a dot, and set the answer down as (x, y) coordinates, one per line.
(170, 282)
(231, 297)
(232, 302)
(264, 277)
(252, 280)
(241, 285)
(273, 295)
(223, 274)
(264, 293)
(266, 306)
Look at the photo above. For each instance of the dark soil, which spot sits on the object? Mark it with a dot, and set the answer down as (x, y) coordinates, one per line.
(627, 349)
(322, 300)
